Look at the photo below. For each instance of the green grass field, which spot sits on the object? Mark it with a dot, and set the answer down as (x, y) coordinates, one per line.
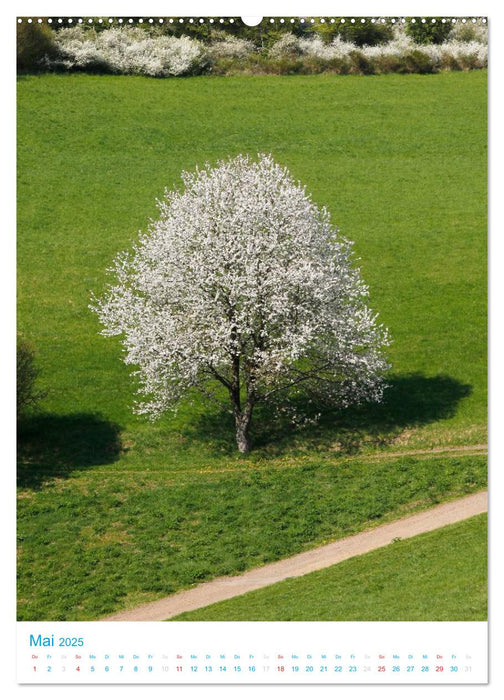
(441, 575)
(114, 536)
(114, 510)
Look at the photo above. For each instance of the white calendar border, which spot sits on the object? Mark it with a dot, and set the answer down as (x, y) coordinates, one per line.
(276, 8)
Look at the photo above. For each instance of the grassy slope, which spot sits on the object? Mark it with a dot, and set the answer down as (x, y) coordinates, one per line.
(441, 575)
(110, 538)
(400, 163)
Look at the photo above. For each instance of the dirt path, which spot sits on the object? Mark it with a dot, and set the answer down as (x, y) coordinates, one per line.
(462, 449)
(300, 564)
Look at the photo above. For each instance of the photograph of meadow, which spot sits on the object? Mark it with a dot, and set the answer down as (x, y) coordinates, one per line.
(384, 123)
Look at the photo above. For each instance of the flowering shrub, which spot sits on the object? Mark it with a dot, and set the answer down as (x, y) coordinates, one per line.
(286, 47)
(398, 47)
(467, 54)
(244, 283)
(289, 46)
(338, 48)
(470, 32)
(231, 47)
(128, 50)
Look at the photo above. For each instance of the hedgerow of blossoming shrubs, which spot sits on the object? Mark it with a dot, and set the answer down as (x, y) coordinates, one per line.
(129, 51)
(401, 54)
(136, 51)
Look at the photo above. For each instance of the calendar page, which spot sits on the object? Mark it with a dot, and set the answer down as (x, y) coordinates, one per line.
(251, 340)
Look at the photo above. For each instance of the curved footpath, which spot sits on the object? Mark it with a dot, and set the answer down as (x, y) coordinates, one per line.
(312, 560)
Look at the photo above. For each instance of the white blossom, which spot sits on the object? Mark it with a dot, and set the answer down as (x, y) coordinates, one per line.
(315, 47)
(243, 280)
(286, 46)
(290, 45)
(231, 47)
(401, 45)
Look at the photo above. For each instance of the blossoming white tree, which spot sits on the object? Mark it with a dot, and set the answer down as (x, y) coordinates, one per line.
(244, 282)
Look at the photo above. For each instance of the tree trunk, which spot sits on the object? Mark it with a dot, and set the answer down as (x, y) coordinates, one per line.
(242, 423)
(242, 416)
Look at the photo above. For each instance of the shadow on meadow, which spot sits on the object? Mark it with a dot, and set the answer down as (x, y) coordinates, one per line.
(410, 401)
(50, 445)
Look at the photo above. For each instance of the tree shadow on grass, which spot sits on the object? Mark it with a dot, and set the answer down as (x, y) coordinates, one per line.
(51, 446)
(410, 401)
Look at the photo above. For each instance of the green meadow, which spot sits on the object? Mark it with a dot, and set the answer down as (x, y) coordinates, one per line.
(115, 510)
